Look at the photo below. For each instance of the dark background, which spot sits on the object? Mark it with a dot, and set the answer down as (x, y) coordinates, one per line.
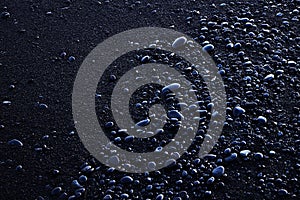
(37, 32)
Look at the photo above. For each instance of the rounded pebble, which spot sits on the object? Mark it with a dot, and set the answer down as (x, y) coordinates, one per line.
(127, 179)
(15, 142)
(208, 47)
(218, 171)
(179, 42)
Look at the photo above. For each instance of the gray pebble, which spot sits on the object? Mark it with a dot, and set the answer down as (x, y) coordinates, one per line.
(179, 42)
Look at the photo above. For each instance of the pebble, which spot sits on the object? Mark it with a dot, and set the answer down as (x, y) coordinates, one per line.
(151, 165)
(109, 124)
(56, 191)
(6, 102)
(269, 77)
(175, 114)
(237, 111)
(5, 15)
(107, 197)
(170, 162)
(144, 122)
(73, 197)
(124, 196)
(230, 158)
(19, 168)
(159, 197)
(272, 153)
(171, 87)
(129, 138)
(43, 106)
(258, 155)
(227, 151)
(71, 59)
(208, 47)
(211, 180)
(75, 184)
(261, 119)
(218, 171)
(282, 192)
(145, 59)
(179, 42)
(79, 191)
(15, 142)
(114, 160)
(245, 153)
(126, 179)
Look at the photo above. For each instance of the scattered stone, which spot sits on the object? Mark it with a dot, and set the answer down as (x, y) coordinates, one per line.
(15, 142)
(237, 111)
(218, 171)
(245, 153)
(208, 48)
(127, 179)
(179, 42)
(258, 155)
(230, 158)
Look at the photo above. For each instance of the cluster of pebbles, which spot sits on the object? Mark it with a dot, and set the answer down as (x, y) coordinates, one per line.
(256, 47)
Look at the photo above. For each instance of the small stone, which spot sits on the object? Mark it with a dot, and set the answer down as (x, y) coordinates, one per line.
(261, 119)
(171, 87)
(124, 196)
(151, 165)
(292, 63)
(82, 179)
(71, 59)
(56, 191)
(19, 168)
(258, 155)
(245, 153)
(159, 197)
(230, 158)
(75, 184)
(127, 179)
(15, 142)
(282, 192)
(208, 47)
(272, 153)
(179, 42)
(237, 111)
(175, 114)
(79, 191)
(145, 59)
(114, 160)
(107, 197)
(269, 77)
(109, 124)
(218, 171)
(5, 15)
(43, 106)
(227, 151)
(6, 102)
(170, 162)
(144, 122)
(210, 156)
(73, 197)
(211, 180)
(63, 54)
